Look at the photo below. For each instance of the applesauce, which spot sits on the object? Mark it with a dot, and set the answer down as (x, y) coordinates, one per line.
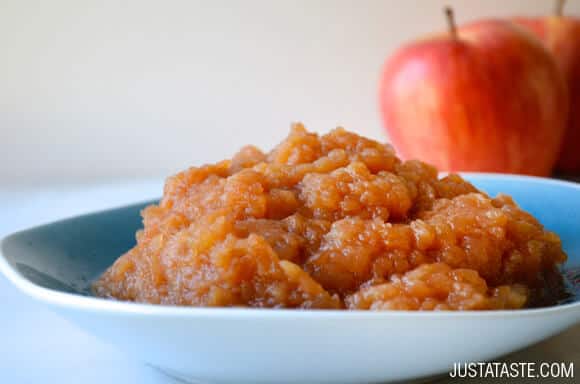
(335, 221)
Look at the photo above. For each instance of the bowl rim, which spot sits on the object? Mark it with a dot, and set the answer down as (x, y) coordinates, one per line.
(92, 303)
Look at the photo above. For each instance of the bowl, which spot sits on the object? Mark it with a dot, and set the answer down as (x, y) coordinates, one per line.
(56, 263)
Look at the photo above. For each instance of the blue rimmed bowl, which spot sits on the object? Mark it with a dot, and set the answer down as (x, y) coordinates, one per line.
(55, 264)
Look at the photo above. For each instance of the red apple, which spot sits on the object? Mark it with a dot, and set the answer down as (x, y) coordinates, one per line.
(484, 97)
(561, 35)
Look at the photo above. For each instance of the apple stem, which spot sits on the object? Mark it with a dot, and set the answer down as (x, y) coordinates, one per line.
(451, 22)
(560, 7)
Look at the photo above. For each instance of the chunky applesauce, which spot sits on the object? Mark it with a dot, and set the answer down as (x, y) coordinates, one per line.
(334, 221)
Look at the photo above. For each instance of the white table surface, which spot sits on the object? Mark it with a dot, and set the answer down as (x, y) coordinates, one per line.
(37, 346)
